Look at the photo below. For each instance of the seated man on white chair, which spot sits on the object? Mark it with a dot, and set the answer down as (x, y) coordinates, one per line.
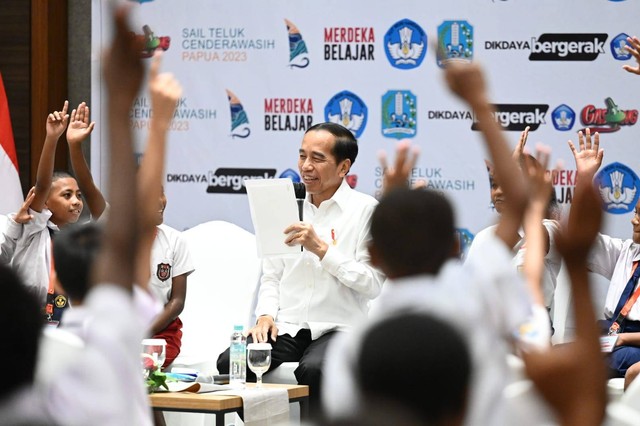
(304, 301)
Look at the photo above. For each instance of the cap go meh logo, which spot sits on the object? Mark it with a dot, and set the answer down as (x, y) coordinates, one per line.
(612, 117)
(405, 44)
(151, 42)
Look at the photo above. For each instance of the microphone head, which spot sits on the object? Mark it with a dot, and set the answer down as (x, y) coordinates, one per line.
(299, 190)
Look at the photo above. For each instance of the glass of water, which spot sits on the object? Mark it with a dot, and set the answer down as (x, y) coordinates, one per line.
(156, 349)
(259, 359)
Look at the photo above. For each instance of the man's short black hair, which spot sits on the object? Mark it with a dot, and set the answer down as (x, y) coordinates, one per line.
(429, 362)
(21, 326)
(74, 250)
(346, 145)
(413, 232)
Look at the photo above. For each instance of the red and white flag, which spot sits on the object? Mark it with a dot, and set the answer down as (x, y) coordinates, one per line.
(11, 193)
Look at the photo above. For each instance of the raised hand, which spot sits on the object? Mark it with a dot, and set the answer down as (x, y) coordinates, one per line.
(633, 47)
(57, 122)
(467, 82)
(517, 152)
(398, 175)
(589, 158)
(535, 172)
(165, 91)
(22, 216)
(80, 126)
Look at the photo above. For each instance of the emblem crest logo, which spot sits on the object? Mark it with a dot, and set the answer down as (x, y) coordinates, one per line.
(618, 187)
(399, 114)
(563, 118)
(347, 109)
(455, 42)
(405, 44)
(164, 271)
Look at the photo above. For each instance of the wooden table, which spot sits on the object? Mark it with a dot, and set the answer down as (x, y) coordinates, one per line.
(219, 405)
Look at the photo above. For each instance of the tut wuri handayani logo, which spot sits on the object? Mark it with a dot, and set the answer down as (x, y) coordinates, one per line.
(405, 44)
(563, 118)
(618, 187)
(455, 42)
(347, 109)
(399, 114)
(618, 50)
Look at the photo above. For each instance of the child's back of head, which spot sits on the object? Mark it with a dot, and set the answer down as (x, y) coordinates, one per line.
(22, 322)
(412, 232)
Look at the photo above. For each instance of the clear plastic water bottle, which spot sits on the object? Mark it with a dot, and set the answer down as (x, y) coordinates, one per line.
(238, 358)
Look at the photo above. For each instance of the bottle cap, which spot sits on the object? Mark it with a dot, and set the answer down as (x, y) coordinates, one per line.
(238, 328)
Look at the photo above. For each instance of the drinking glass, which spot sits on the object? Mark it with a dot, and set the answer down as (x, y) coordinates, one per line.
(156, 349)
(259, 359)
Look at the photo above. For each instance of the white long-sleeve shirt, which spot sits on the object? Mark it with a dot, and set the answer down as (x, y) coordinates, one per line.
(332, 293)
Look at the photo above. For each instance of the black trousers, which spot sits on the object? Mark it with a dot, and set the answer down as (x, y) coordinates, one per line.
(308, 353)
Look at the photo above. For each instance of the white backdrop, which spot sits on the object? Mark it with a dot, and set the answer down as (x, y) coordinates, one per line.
(237, 56)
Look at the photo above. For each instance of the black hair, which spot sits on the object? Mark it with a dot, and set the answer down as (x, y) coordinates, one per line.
(61, 174)
(435, 360)
(74, 250)
(412, 230)
(346, 146)
(22, 324)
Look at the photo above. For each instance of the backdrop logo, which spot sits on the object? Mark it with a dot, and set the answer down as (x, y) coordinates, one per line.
(352, 180)
(288, 114)
(231, 181)
(222, 44)
(563, 118)
(405, 44)
(291, 174)
(618, 186)
(617, 47)
(152, 42)
(516, 117)
(465, 238)
(567, 47)
(239, 120)
(347, 109)
(455, 42)
(612, 117)
(298, 53)
(349, 44)
(399, 114)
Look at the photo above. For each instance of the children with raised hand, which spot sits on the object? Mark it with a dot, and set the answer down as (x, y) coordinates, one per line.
(57, 202)
(165, 251)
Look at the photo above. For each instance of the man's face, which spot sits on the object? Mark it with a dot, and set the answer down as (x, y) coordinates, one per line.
(162, 205)
(320, 173)
(65, 201)
(635, 221)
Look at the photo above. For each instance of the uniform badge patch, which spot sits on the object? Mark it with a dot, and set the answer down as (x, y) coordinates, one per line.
(60, 301)
(164, 271)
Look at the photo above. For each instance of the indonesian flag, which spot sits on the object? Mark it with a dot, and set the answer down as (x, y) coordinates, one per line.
(11, 198)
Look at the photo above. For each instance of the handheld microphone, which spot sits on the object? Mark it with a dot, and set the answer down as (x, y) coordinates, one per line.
(300, 192)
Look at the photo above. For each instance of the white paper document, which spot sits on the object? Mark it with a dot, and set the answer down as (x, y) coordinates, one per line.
(273, 208)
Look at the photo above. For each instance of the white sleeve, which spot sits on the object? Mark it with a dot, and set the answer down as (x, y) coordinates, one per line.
(269, 292)
(604, 255)
(182, 263)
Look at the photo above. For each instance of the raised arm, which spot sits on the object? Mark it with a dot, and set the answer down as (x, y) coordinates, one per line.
(537, 236)
(398, 175)
(80, 127)
(123, 73)
(572, 378)
(56, 123)
(165, 91)
(467, 81)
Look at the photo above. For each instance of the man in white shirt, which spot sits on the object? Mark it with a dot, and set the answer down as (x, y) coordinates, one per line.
(304, 301)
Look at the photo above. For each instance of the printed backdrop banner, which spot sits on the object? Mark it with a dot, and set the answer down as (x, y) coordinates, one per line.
(257, 74)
